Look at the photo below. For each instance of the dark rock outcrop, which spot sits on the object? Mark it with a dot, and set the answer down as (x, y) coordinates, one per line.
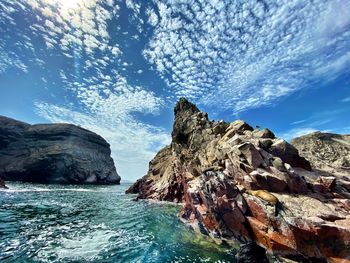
(2, 184)
(251, 253)
(237, 183)
(54, 153)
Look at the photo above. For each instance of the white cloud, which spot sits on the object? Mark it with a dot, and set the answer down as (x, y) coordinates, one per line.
(152, 17)
(92, 93)
(245, 55)
(320, 122)
(297, 132)
(347, 99)
(227, 53)
(298, 122)
(134, 6)
(133, 143)
(335, 19)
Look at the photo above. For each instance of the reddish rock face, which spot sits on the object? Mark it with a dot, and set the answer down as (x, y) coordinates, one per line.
(218, 206)
(244, 184)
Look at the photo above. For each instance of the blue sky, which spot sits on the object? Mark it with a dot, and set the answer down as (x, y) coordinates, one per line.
(118, 67)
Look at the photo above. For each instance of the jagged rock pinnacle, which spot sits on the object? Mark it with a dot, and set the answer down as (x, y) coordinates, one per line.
(187, 119)
(246, 184)
(183, 105)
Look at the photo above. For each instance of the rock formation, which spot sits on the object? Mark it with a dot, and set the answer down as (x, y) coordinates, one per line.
(329, 155)
(325, 151)
(54, 153)
(251, 253)
(240, 183)
(2, 184)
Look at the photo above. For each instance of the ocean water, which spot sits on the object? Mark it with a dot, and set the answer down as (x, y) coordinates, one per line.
(60, 223)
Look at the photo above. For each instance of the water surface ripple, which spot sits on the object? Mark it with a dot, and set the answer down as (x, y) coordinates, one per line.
(56, 223)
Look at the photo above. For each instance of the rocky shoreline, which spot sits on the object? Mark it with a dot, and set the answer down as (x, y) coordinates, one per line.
(240, 183)
(54, 153)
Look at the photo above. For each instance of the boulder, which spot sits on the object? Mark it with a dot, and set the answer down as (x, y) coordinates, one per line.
(251, 154)
(271, 181)
(278, 164)
(264, 133)
(54, 153)
(239, 127)
(289, 154)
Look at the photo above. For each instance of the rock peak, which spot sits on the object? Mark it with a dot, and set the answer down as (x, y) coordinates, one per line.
(240, 183)
(188, 119)
(183, 105)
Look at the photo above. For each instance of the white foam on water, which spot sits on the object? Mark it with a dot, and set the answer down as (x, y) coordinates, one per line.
(14, 190)
(87, 247)
(38, 189)
(84, 247)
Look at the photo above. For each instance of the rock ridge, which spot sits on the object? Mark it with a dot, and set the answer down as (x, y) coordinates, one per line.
(240, 183)
(327, 151)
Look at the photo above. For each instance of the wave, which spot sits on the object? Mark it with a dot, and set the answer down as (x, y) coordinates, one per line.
(35, 189)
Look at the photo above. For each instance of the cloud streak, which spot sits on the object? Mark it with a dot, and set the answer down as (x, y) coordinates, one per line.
(297, 132)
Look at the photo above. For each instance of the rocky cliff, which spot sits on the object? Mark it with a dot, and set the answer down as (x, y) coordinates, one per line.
(240, 183)
(54, 153)
(325, 151)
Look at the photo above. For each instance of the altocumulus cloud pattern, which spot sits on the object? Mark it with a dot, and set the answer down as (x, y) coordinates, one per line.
(93, 58)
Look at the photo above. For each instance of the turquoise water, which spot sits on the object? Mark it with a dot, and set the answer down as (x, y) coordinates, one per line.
(60, 223)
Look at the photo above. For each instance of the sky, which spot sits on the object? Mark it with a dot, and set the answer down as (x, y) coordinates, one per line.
(118, 67)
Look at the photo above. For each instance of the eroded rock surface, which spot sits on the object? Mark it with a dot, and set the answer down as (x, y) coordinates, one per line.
(325, 150)
(240, 183)
(54, 153)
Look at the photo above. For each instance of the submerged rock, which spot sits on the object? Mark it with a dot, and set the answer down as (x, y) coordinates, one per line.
(237, 183)
(54, 153)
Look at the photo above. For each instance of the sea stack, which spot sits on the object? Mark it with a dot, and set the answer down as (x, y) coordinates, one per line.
(54, 153)
(217, 168)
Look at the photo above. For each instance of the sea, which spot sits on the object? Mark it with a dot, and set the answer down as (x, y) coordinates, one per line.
(70, 223)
